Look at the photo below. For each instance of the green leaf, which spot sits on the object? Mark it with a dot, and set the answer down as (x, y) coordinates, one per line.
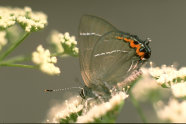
(71, 118)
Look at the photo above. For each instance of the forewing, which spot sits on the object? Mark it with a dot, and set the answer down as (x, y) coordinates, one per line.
(112, 60)
(91, 28)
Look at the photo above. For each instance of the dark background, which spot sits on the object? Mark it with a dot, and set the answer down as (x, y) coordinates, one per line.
(21, 90)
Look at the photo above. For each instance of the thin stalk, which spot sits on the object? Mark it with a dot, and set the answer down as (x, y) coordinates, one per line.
(13, 46)
(139, 110)
(17, 59)
(58, 54)
(18, 65)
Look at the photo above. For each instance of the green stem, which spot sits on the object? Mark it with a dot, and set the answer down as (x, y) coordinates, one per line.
(58, 54)
(13, 46)
(18, 65)
(136, 105)
(17, 59)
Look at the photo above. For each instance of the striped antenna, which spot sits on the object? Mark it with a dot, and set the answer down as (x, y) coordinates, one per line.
(57, 90)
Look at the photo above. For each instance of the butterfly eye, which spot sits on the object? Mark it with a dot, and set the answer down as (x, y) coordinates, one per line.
(147, 55)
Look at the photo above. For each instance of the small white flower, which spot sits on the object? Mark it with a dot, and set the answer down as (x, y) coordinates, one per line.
(26, 17)
(74, 42)
(3, 40)
(64, 42)
(7, 18)
(46, 63)
(118, 98)
(179, 89)
(68, 43)
(27, 9)
(99, 110)
(76, 50)
(72, 38)
(53, 60)
(49, 68)
(175, 111)
(55, 39)
(28, 28)
(182, 72)
(63, 110)
(67, 36)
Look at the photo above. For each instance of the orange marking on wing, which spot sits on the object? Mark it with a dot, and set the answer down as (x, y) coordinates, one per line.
(137, 46)
(134, 45)
(139, 53)
(120, 38)
(127, 40)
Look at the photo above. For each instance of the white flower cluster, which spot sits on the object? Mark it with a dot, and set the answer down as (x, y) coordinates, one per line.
(99, 110)
(6, 17)
(179, 89)
(55, 39)
(164, 74)
(175, 111)
(31, 21)
(3, 40)
(46, 63)
(64, 110)
(171, 77)
(167, 75)
(64, 43)
(144, 86)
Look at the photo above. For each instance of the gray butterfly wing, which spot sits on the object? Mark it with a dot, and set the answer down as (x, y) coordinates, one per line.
(112, 60)
(91, 28)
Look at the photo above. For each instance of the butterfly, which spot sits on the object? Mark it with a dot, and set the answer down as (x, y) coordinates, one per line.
(107, 55)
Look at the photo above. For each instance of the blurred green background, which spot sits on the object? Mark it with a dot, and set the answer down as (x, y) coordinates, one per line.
(21, 90)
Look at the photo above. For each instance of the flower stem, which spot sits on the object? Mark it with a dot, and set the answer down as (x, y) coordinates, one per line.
(17, 65)
(136, 105)
(13, 46)
(17, 59)
(58, 54)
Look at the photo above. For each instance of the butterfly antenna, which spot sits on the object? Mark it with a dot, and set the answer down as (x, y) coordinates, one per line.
(57, 90)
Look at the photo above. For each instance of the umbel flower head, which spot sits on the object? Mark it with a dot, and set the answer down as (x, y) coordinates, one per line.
(65, 110)
(64, 43)
(29, 20)
(172, 78)
(43, 59)
(98, 112)
(168, 75)
(72, 111)
(174, 112)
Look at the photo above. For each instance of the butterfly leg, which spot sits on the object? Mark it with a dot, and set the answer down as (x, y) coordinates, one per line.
(87, 102)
